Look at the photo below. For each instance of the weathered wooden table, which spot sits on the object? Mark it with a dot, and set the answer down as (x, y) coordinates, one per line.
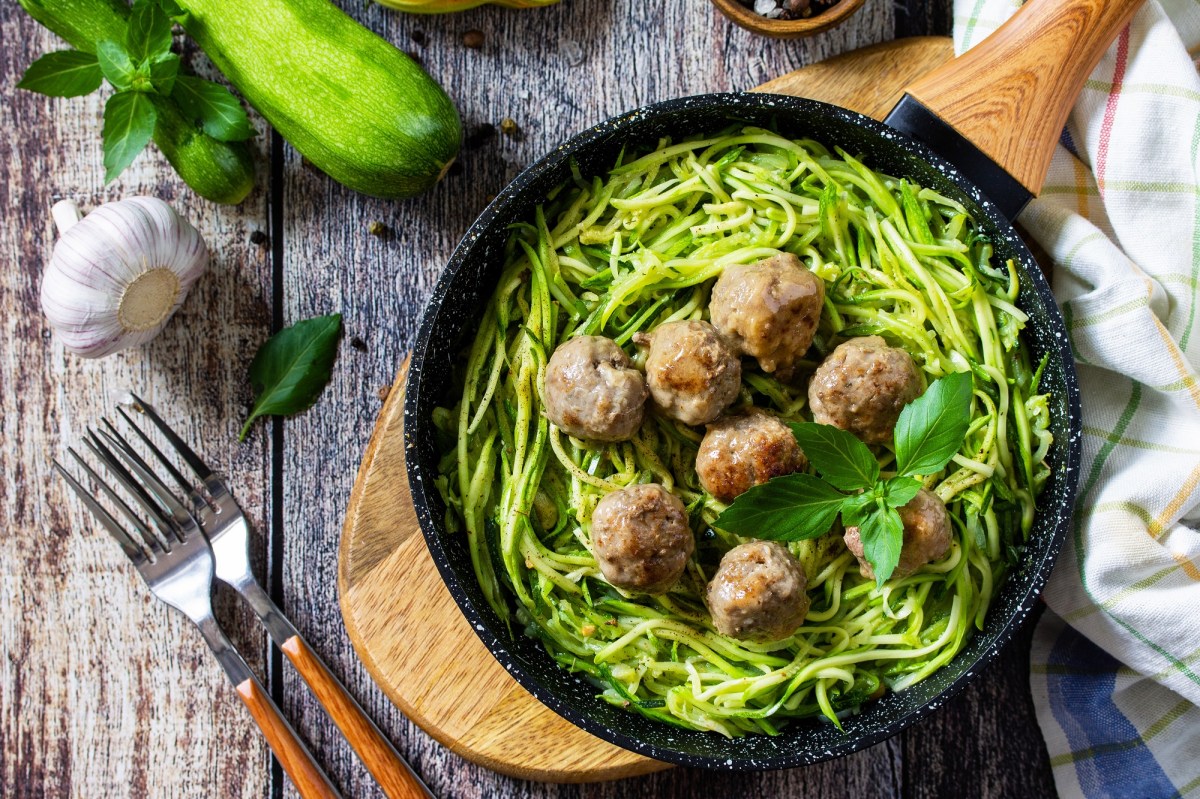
(103, 691)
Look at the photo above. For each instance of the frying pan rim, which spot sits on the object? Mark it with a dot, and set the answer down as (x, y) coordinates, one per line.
(420, 486)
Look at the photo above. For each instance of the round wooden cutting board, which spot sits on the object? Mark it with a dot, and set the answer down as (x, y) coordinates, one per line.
(405, 626)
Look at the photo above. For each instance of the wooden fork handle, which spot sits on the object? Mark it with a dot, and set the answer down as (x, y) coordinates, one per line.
(392, 774)
(291, 752)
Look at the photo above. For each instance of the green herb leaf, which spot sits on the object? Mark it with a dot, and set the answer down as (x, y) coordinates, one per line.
(171, 9)
(789, 508)
(116, 64)
(129, 119)
(839, 456)
(149, 32)
(882, 535)
(291, 368)
(932, 427)
(216, 109)
(66, 73)
(164, 70)
(899, 491)
(856, 506)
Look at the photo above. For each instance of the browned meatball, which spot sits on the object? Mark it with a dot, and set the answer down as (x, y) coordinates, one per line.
(744, 450)
(692, 372)
(758, 592)
(641, 538)
(862, 387)
(593, 390)
(926, 536)
(769, 310)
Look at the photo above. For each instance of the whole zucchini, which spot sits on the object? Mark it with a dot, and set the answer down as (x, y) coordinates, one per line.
(219, 171)
(355, 106)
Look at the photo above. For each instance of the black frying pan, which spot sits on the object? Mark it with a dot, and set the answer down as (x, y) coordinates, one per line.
(1011, 95)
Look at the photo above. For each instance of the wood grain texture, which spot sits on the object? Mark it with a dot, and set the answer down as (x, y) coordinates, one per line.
(104, 692)
(1011, 94)
(395, 778)
(870, 80)
(403, 622)
(297, 762)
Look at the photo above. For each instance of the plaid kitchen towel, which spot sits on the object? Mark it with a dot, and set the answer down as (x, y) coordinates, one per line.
(1115, 667)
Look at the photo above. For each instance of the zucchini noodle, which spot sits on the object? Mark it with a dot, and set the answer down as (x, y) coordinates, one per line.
(642, 246)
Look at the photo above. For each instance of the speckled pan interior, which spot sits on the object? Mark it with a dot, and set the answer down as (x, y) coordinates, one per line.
(452, 317)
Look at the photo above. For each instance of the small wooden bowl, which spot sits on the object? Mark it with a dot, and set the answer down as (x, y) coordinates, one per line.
(787, 28)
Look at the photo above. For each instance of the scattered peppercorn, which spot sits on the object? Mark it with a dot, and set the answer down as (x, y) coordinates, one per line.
(509, 127)
(473, 39)
(358, 344)
(377, 228)
(258, 238)
(479, 136)
(419, 38)
(383, 392)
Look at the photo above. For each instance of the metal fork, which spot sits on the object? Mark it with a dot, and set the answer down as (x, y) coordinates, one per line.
(174, 559)
(228, 531)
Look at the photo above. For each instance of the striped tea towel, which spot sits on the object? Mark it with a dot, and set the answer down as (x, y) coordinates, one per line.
(1116, 661)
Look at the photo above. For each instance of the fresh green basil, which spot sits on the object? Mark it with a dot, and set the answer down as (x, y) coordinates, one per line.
(149, 32)
(882, 534)
(129, 119)
(65, 73)
(291, 369)
(932, 427)
(840, 457)
(799, 506)
(116, 64)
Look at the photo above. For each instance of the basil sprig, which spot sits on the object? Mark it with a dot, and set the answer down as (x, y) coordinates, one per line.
(144, 72)
(931, 429)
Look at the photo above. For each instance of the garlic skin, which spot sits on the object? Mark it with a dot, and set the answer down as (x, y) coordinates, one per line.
(117, 275)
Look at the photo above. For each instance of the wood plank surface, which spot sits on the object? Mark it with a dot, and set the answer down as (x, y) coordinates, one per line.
(103, 692)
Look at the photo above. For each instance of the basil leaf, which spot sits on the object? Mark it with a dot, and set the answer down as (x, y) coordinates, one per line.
(857, 506)
(217, 110)
(164, 70)
(116, 64)
(66, 73)
(839, 456)
(129, 119)
(899, 491)
(931, 428)
(149, 32)
(172, 10)
(789, 508)
(291, 368)
(882, 536)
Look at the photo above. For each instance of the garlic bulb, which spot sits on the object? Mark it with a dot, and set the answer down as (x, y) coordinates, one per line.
(117, 275)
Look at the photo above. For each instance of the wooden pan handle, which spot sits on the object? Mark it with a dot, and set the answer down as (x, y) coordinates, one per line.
(392, 774)
(291, 752)
(1011, 94)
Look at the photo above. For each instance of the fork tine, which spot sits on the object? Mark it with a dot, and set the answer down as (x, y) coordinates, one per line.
(148, 537)
(131, 549)
(181, 517)
(139, 494)
(191, 458)
(184, 484)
